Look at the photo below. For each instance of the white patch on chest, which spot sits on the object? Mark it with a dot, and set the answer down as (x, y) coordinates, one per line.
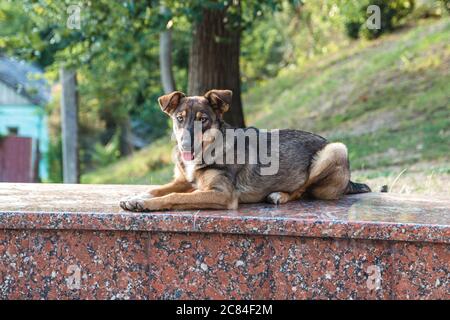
(189, 169)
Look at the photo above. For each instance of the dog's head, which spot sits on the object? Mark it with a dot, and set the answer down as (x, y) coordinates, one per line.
(187, 113)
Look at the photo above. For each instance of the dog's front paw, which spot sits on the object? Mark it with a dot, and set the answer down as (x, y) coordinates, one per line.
(135, 203)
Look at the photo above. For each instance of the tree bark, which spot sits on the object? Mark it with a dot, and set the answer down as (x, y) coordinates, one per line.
(69, 126)
(214, 61)
(165, 58)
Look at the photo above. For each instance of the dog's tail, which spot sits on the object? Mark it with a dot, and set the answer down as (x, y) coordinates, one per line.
(354, 187)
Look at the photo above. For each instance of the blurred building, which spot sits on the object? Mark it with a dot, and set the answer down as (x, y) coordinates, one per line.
(24, 136)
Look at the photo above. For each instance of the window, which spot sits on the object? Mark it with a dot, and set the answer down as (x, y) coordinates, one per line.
(13, 131)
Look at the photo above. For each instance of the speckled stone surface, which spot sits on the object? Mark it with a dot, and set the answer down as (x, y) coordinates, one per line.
(74, 242)
(90, 207)
(45, 264)
(196, 266)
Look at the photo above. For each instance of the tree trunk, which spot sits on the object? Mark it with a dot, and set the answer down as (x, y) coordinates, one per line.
(214, 61)
(69, 126)
(165, 58)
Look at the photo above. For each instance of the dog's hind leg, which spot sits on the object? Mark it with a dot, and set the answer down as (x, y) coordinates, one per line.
(283, 197)
(328, 177)
(278, 198)
(329, 172)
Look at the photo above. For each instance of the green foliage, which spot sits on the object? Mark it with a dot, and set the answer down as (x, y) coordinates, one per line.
(428, 9)
(54, 158)
(291, 36)
(106, 154)
(352, 29)
(148, 166)
(392, 14)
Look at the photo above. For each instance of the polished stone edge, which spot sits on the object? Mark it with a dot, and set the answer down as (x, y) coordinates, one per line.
(207, 223)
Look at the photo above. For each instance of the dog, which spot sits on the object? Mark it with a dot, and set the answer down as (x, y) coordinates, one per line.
(308, 166)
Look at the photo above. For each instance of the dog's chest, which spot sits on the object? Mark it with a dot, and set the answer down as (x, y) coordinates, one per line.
(189, 170)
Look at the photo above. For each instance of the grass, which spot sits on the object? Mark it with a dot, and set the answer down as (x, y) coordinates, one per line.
(388, 100)
(152, 165)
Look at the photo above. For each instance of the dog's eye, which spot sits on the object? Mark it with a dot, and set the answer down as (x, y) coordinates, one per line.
(204, 119)
(180, 119)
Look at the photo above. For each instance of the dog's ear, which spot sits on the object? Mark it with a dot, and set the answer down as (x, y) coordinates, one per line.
(220, 100)
(170, 102)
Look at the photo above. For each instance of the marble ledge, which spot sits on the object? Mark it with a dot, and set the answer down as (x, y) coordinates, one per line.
(372, 216)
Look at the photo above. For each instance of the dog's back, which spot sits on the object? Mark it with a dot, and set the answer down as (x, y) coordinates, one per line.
(295, 152)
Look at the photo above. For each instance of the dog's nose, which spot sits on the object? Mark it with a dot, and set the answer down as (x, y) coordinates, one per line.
(186, 146)
(186, 141)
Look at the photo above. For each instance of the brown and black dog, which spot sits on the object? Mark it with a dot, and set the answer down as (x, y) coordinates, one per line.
(307, 164)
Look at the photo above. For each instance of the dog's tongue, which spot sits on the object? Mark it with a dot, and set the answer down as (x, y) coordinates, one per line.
(187, 155)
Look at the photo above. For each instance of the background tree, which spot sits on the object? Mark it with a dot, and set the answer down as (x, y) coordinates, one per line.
(165, 55)
(69, 126)
(214, 56)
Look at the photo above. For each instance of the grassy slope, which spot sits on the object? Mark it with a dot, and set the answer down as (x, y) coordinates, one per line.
(151, 165)
(388, 100)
